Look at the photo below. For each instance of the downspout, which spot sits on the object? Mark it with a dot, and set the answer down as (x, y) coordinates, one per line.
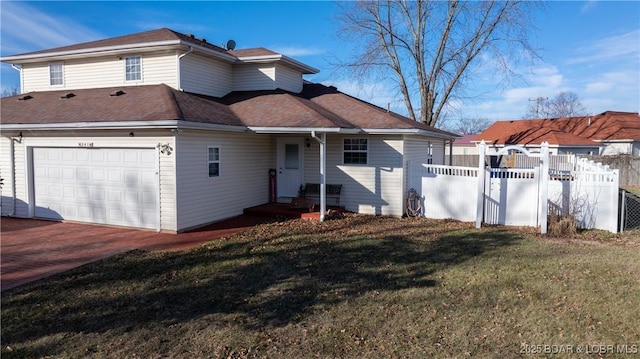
(179, 74)
(451, 151)
(322, 140)
(19, 69)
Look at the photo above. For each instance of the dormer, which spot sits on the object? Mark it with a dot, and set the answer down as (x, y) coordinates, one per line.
(263, 69)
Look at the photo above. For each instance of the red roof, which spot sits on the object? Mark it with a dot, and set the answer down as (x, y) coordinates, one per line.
(568, 131)
(316, 106)
(465, 140)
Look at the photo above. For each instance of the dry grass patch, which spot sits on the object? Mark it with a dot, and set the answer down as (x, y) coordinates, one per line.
(360, 286)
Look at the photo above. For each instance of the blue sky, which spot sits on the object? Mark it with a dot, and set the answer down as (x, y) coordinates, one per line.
(589, 47)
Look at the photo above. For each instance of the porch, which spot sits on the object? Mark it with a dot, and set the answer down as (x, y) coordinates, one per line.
(285, 210)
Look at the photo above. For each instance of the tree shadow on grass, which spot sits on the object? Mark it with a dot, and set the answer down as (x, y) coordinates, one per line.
(257, 284)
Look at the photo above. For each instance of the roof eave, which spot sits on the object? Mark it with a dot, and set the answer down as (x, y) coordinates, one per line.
(283, 130)
(114, 50)
(306, 69)
(111, 125)
(407, 131)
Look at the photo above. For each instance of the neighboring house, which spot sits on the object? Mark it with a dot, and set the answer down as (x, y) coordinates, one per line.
(465, 145)
(608, 133)
(166, 131)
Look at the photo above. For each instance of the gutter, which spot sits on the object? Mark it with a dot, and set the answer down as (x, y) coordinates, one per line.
(179, 74)
(19, 69)
(304, 130)
(279, 57)
(124, 125)
(118, 49)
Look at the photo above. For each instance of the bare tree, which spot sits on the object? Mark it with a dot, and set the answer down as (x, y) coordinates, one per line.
(429, 47)
(7, 92)
(564, 104)
(466, 126)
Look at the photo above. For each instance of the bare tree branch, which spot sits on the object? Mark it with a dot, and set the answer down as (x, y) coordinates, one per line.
(430, 46)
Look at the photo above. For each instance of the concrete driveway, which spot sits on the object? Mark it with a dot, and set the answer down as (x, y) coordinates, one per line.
(32, 249)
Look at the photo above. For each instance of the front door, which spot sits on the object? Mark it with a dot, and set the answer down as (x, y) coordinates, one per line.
(290, 171)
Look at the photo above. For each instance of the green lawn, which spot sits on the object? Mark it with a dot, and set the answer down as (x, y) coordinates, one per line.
(356, 287)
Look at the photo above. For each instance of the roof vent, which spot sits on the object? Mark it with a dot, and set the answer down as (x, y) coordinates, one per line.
(117, 93)
(25, 98)
(68, 95)
(201, 39)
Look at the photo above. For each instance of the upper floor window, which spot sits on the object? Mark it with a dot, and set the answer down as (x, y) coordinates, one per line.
(133, 68)
(214, 161)
(56, 74)
(355, 151)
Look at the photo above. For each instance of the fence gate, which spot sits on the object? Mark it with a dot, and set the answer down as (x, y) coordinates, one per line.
(511, 196)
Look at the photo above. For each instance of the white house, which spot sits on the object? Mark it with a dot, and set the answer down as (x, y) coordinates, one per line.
(608, 133)
(166, 131)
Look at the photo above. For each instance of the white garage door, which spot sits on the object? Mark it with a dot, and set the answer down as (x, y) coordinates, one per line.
(99, 185)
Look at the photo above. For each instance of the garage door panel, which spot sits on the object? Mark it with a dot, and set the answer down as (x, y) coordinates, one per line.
(99, 185)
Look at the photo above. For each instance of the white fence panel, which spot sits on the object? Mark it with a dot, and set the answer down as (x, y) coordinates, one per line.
(447, 191)
(511, 196)
(591, 196)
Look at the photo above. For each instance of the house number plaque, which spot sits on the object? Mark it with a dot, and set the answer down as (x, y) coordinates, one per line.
(85, 144)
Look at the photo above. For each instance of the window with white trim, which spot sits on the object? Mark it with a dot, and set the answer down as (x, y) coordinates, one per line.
(429, 152)
(56, 74)
(355, 151)
(133, 68)
(213, 161)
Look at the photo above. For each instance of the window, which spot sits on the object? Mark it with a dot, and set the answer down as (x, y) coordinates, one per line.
(133, 68)
(214, 161)
(56, 74)
(355, 151)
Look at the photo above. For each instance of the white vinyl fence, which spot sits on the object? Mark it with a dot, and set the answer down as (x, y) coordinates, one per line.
(447, 191)
(519, 197)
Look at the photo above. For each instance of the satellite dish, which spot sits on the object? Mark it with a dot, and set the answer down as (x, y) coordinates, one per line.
(231, 45)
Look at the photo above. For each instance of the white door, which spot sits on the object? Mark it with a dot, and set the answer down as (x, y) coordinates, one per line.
(290, 171)
(99, 185)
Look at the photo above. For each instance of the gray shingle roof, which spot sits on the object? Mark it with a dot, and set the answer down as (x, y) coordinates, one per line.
(317, 106)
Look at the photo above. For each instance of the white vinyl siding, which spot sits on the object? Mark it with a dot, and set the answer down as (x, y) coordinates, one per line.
(375, 188)
(98, 140)
(21, 208)
(254, 77)
(246, 159)
(439, 151)
(100, 72)
(35, 77)
(288, 79)
(205, 76)
(198, 74)
(266, 77)
(416, 149)
(6, 204)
